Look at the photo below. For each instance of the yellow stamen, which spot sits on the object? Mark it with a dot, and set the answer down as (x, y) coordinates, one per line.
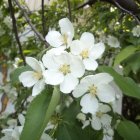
(99, 114)
(85, 54)
(37, 75)
(65, 69)
(93, 90)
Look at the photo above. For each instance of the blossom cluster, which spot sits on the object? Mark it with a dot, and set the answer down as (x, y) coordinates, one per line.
(67, 65)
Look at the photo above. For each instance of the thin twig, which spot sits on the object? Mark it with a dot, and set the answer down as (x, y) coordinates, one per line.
(30, 23)
(69, 9)
(43, 19)
(15, 30)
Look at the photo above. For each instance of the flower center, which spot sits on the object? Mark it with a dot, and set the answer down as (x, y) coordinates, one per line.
(84, 54)
(93, 90)
(65, 39)
(99, 114)
(37, 75)
(65, 69)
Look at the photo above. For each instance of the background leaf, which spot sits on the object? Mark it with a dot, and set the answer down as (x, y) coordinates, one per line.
(128, 130)
(126, 52)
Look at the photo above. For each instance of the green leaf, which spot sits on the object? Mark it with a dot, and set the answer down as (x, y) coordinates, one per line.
(127, 85)
(133, 62)
(39, 113)
(15, 74)
(71, 129)
(128, 130)
(124, 54)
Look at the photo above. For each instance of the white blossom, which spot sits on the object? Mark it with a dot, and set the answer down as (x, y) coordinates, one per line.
(87, 50)
(101, 120)
(33, 78)
(63, 69)
(63, 39)
(94, 88)
(113, 42)
(136, 31)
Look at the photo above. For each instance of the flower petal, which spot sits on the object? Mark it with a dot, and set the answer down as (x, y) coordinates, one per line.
(104, 108)
(80, 89)
(106, 121)
(90, 64)
(28, 78)
(38, 87)
(102, 78)
(106, 93)
(53, 77)
(66, 27)
(76, 47)
(89, 104)
(33, 63)
(48, 61)
(88, 39)
(54, 38)
(97, 50)
(77, 68)
(95, 123)
(68, 84)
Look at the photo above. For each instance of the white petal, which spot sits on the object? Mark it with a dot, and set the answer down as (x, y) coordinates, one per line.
(97, 50)
(38, 87)
(106, 93)
(64, 58)
(28, 78)
(104, 108)
(77, 67)
(54, 38)
(88, 39)
(106, 121)
(76, 47)
(90, 64)
(80, 89)
(66, 27)
(68, 84)
(33, 63)
(48, 61)
(102, 78)
(95, 123)
(89, 104)
(53, 77)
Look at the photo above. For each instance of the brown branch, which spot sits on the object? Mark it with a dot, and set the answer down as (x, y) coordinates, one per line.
(15, 30)
(43, 19)
(30, 23)
(69, 9)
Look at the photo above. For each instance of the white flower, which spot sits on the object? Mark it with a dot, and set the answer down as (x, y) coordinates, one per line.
(100, 119)
(82, 117)
(136, 31)
(87, 50)
(33, 78)
(64, 69)
(113, 42)
(63, 39)
(95, 87)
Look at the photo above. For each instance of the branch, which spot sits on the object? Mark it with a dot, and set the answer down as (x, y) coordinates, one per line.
(30, 23)
(43, 19)
(69, 9)
(15, 30)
